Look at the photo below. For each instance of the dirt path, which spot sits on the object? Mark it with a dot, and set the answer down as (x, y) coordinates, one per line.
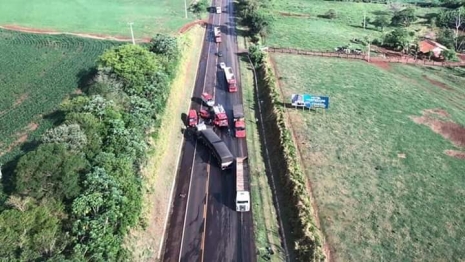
(89, 35)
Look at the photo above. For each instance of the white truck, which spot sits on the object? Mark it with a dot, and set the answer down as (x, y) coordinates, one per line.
(218, 9)
(242, 187)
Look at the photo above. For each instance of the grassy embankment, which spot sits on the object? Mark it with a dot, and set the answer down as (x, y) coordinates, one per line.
(382, 179)
(161, 167)
(266, 225)
(96, 16)
(38, 72)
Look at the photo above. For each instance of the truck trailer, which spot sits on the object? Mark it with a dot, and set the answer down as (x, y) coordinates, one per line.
(218, 148)
(242, 187)
(230, 79)
(239, 121)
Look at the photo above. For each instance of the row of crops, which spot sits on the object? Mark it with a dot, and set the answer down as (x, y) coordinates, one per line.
(37, 73)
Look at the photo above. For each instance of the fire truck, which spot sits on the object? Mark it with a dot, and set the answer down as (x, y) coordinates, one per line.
(208, 99)
(221, 119)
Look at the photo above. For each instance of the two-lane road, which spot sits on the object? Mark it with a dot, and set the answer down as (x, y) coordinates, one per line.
(204, 225)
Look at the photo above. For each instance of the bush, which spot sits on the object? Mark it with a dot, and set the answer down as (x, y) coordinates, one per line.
(450, 55)
(331, 14)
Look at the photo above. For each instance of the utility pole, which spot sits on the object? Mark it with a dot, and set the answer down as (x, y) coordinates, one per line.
(132, 33)
(364, 20)
(185, 9)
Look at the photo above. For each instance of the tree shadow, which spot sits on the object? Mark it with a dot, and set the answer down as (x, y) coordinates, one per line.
(184, 118)
(56, 117)
(86, 78)
(380, 12)
(8, 178)
(366, 28)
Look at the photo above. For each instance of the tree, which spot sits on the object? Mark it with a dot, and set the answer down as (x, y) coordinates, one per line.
(122, 170)
(70, 135)
(399, 39)
(97, 214)
(331, 14)
(132, 64)
(449, 55)
(165, 45)
(380, 22)
(446, 37)
(456, 19)
(50, 171)
(404, 17)
(256, 55)
(199, 7)
(94, 129)
(260, 21)
(32, 232)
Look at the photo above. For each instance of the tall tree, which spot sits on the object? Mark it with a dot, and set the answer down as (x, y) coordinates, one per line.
(51, 170)
(404, 17)
(97, 213)
(32, 232)
(132, 64)
(380, 22)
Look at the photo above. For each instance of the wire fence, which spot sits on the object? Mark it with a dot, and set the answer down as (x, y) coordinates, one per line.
(399, 59)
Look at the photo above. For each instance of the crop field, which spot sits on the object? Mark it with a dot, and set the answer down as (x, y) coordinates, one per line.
(37, 73)
(301, 23)
(387, 160)
(109, 17)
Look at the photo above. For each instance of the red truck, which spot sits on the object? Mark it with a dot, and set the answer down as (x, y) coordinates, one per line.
(192, 118)
(230, 79)
(207, 99)
(221, 119)
(239, 121)
(217, 34)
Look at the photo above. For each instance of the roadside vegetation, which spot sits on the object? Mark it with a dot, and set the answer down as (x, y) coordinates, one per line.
(94, 196)
(145, 241)
(101, 17)
(266, 223)
(38, 72)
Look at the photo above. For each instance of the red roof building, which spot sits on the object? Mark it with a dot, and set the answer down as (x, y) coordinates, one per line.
(427, 46)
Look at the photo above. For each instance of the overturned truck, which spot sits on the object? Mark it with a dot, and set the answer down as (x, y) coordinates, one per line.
(218, 148)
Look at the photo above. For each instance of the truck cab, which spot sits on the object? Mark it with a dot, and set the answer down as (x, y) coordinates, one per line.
(242, 201)
(192, 118)
(239, 127)
(239, 121)
(208, 99)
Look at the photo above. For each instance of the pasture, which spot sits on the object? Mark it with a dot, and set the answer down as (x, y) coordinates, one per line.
(387, 160)
(107, 17)
(301, 23)
(37, 73)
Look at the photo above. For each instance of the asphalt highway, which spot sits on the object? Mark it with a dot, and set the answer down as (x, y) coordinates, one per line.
(203, 224)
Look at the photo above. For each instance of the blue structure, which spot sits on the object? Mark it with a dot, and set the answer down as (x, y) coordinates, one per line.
(310, 101)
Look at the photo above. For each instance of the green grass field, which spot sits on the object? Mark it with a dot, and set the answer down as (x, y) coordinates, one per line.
(385, 189)
(317, 33)
(37, 73)
(108, 17)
